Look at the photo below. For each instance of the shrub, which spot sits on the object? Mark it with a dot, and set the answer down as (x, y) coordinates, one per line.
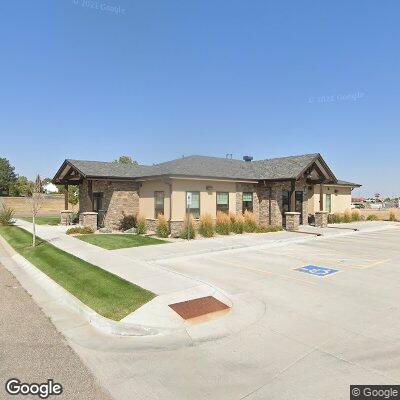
(347, 216)
(206, 226)
(250, 223)
(128, 222)
(6, 216)
(141, 225)
(162, 227)
(80, 230)
(355, 216)
(372, 217)
(392, 216)
(334, 218)
(222, 223)
(188, 231)
(268, 228)
(237, 223)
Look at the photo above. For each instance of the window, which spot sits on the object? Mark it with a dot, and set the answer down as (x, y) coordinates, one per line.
(193, 204)
(158, 203)
(285, 201)
(247, 201)
(223, 202)
(329, 203)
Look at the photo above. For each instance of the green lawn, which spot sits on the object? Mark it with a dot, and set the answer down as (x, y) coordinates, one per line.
(43, 220)
(119, 241)
(102, 291)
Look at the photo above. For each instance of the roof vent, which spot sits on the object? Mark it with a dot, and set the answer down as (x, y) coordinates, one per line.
(247, 158)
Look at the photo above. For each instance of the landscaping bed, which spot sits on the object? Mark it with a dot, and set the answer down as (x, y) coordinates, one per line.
(119, 241)
(106, 293)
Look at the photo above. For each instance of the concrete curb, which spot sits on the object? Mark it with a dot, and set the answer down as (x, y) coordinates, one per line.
(25, 271)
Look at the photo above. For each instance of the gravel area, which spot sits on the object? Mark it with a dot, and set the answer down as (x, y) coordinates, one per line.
(32, 350)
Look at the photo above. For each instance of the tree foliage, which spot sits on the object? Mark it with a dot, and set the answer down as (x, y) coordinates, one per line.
(7, 174)
(125, 160)
(22, 187)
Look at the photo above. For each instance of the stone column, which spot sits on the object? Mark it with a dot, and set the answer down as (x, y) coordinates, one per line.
(88, 219)
(321, 219)
(292, 221)
(66, 217)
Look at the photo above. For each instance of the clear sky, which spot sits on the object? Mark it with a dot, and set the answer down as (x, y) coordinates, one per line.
(160, 79)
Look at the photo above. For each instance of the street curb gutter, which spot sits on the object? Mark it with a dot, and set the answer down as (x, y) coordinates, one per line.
(26, 273)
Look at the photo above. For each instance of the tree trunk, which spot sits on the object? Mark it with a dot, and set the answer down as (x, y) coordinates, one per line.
(34, 231)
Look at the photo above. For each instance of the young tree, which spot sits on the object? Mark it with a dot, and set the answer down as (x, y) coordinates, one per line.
(37, 200)
(7, 175)
(125, 160)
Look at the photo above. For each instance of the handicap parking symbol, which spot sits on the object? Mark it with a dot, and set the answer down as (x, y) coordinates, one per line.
(318, 271)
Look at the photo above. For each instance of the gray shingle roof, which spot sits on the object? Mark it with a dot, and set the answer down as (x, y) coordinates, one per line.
(345, 183)
(109, 169)
(202, 166)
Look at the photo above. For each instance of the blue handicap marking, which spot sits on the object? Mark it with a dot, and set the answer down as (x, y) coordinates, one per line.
(319, 271)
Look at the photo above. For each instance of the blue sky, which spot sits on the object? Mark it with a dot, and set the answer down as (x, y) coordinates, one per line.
(161, 79)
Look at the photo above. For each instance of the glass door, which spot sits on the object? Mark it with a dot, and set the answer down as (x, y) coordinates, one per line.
(98, 206)
(299, 204)
(329, 203)
(285, 205)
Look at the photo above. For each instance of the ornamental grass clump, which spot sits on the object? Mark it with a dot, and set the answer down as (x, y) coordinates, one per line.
(237, 223)
(250, 223)
(141, 225)
(347, 216)
(372, 217)
(206, 226)
(162, 226)
(269, 228)
(392, 216)
(355, 216)
(188, 231)
(222, 223)
(6, 216)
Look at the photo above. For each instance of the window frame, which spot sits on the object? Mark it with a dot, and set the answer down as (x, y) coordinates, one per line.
(189, 210)
(244, 208)
(226, 211)
(156, 209)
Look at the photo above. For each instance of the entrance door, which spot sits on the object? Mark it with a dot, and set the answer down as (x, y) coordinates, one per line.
(299, 204)
(98, 206)
(285, 205)
(329, 203)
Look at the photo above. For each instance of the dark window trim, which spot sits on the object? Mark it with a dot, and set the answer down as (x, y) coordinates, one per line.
(186, 206)
(155, 204)
(216, 202)
(252, 202)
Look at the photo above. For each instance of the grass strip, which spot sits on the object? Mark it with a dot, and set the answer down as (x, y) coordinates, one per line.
(43, 220)
(106, 293)
(119, 241)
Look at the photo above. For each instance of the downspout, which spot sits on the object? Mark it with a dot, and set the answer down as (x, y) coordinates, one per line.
(170, 205)
(270, 206)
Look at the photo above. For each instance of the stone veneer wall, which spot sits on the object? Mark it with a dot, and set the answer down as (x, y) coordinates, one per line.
(120, 198)
(261, 199)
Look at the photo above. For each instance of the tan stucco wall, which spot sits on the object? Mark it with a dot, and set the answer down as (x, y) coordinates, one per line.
(341, 201)
(208, 199)
(146, 197)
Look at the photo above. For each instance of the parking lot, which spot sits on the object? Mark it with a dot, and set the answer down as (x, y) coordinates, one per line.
(312, 335)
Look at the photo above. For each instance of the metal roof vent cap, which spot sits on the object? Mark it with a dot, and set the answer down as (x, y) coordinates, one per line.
(248, 158)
